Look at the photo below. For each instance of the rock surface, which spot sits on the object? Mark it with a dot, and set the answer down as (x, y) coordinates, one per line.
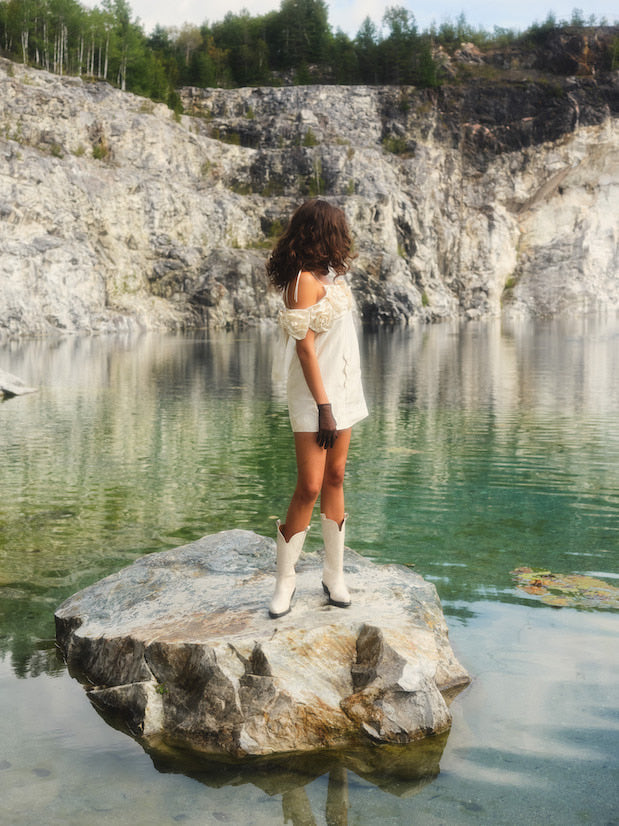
(180, 646)
(13, 386)
(466, 201)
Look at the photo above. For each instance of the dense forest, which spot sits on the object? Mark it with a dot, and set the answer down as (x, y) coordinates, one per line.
(295, 45)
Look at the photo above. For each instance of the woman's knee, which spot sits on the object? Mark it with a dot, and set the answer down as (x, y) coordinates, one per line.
(307, 490)
(334, 475)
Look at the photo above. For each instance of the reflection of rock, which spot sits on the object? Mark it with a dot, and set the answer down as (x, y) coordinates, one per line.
(180, 646)
(12, 386)
(399, 770)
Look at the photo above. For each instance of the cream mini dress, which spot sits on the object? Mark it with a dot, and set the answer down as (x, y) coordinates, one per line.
(337, 350)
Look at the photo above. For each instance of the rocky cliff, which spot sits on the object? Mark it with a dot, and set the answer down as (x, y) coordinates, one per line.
(468, 200)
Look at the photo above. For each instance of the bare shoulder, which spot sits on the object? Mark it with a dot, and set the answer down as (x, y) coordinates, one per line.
(309, 291)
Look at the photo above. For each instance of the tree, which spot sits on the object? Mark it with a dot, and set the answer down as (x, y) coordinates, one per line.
(343, 59)
(299, 33)
(241, 37)
(366, 47)
(188, 40)
(398, 49)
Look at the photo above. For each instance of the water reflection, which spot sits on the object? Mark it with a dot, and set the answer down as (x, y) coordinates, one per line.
(567, 364)
(489, 447)
(402, 771)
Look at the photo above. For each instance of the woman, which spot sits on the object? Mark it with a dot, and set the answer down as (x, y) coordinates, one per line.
(323, 380)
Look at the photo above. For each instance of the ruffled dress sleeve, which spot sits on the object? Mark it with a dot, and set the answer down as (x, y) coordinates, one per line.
(295, 322)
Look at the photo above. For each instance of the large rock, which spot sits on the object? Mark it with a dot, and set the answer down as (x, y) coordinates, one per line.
(11, 385)
(180, 646)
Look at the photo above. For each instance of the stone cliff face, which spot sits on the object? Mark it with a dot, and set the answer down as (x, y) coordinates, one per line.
(464, 201)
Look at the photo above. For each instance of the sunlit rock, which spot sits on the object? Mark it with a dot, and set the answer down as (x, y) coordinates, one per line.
(467, 201)
(13, 386)
(179, 645)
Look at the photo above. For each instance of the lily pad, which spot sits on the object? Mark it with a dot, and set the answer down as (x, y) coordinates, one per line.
(566, 590)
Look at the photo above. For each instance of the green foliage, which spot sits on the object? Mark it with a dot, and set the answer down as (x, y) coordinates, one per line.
(294, 44)
(299, 34)
(315, 183)
(100, 150)
(272, 188)
(537, 33)
(175, 103)
(315, 186)
(451, 34)
(276, 229)
(396, 145)
(273, 231)
(310, 138)
(241, 187)
(231, 137)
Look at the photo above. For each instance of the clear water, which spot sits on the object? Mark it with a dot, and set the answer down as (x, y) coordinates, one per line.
(488, 447)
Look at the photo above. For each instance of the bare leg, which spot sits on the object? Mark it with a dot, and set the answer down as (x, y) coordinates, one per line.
(332, 491)
(311, 461)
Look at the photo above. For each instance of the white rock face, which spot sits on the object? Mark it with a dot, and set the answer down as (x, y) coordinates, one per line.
(114, 216)
(180, 646)
(569, 248)
(13, 386)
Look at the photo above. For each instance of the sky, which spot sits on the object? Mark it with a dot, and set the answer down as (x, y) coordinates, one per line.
(348, 15)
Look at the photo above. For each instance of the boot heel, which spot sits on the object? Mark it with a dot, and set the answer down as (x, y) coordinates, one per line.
(282, 613)
(334, 601)
(333, 569)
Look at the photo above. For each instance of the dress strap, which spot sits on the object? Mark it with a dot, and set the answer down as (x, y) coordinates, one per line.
(296, 289)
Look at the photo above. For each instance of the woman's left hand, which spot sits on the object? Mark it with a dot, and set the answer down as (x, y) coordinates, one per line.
(327, 426)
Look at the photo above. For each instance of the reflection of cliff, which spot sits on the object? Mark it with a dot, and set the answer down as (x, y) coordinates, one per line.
(464, 201)
(477, 432)
(566, 364)
(496, 436)
(130, 445)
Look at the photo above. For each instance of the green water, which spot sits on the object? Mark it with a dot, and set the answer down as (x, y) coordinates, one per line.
(488, 447)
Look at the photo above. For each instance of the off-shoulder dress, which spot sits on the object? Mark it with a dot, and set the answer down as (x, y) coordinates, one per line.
(337, 350)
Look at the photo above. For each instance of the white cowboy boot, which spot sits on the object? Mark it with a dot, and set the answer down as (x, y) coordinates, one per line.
(333, 569)
(287, 555)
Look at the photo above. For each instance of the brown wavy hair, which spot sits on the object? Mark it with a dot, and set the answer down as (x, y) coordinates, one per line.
(316, 239)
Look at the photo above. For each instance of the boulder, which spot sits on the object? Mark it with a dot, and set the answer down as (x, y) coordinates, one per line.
(13, 386)
(180, 647)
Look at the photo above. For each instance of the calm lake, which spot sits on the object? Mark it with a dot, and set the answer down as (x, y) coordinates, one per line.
(490, 446)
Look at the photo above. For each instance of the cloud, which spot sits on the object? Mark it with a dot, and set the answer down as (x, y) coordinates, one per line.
(348, 15)
(164, 13)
